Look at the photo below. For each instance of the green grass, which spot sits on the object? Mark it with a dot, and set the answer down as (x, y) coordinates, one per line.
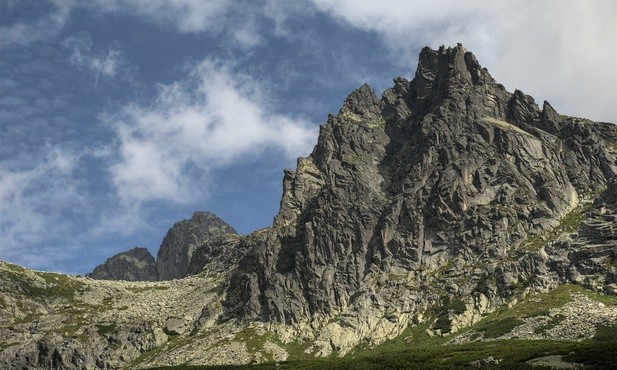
(255, 343)
(5, 345)
(433, 354)
(497, 328)
(598, 352)
(553, 322)
(513, 355)
(447, 306)
(174, 342)
(147, 289)
(414, 349)
(106, 329)
(567, 225)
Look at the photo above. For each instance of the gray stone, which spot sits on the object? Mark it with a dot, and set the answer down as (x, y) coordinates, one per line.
(136, 264)
(183, 238)
(447, 169)
(175, 326)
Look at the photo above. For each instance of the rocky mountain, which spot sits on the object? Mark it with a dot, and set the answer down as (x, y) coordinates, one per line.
(136, 264)
(442, 216)
(175, 253)
(448, 184)
(173, 258)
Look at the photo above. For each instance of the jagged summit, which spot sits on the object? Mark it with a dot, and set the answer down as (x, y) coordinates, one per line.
(175, 253)
(447, 172)
(173, 257)
(448, 70)
(136, 264)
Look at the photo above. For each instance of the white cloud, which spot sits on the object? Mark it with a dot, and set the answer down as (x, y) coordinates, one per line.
(101, 63)
(44, 27)
(32, 204)
(234, 19)
(563, 51)
(213, 118)
(186, 16)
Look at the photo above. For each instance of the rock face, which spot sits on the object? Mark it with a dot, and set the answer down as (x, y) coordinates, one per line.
(136, 264)
(449, 184)
(217, 255)
(173, 258)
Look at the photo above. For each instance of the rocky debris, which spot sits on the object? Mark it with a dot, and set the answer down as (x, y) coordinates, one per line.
(488, 361)
(136, 264)
(575, 321)
(50, 321)
(554, 362)
(174, 255)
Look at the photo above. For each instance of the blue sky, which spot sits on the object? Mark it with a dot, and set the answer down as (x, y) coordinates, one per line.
(120, 117)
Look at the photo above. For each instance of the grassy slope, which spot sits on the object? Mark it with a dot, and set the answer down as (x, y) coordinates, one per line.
(414, 349)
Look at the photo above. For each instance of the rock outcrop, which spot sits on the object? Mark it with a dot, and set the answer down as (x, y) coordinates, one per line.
(136, 264)
(173, 258)
(447, 183)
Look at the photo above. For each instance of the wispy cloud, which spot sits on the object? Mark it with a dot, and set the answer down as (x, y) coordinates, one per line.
(186, 16)
(32, 201)
(237, 21)
(213, 118)
(563, 51)
(49, 24)
(107, 63)
(233, 19)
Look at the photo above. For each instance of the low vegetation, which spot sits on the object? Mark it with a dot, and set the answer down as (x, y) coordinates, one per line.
(512, 354)
(415, 349)
(568, 224)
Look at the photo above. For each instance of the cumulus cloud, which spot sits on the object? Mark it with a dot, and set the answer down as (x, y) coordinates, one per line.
(106, 63)
(211, 119)
(563, 51)
(32, 201)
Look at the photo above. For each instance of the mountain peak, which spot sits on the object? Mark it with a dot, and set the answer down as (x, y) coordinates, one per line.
(446, 171)
(362, 102)
(454, 64)
(183, 238)
(136, 264)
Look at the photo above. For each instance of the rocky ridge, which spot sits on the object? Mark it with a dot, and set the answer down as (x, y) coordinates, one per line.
(438, 204)
(136, 264)
(175, 253)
